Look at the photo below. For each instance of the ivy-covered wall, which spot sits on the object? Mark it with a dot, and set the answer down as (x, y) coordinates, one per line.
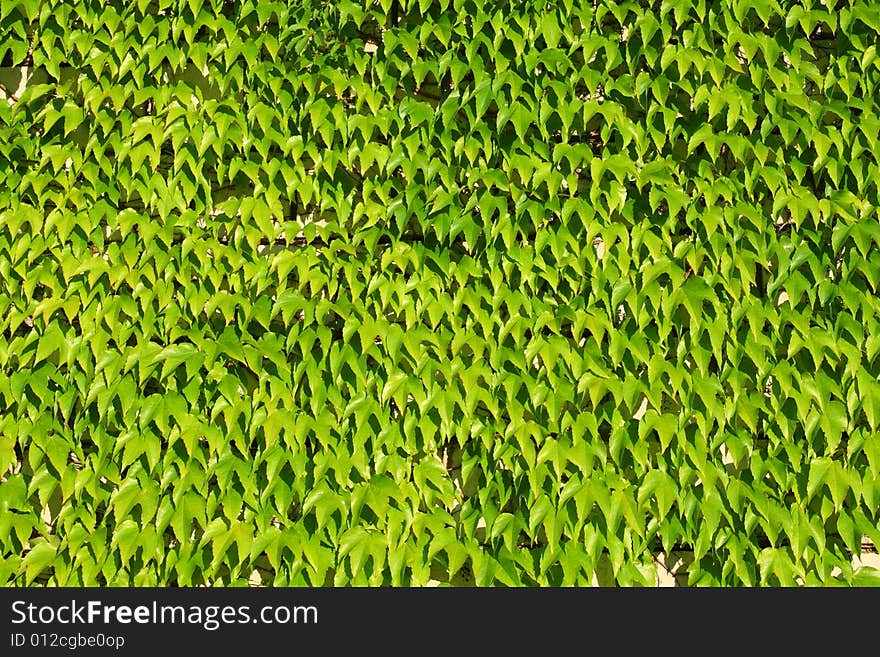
(469, 291)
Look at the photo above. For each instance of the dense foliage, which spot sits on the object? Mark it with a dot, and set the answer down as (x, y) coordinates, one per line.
(381, 292)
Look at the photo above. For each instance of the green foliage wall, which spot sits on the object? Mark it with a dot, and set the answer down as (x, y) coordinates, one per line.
(383, 292)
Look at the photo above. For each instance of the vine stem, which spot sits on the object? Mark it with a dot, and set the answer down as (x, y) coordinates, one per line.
(662, 565)
(8, 93)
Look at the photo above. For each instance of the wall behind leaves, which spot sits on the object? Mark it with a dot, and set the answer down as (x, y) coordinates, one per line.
(309, 293)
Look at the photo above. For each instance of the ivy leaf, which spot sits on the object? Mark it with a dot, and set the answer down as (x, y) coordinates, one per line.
(37, 560)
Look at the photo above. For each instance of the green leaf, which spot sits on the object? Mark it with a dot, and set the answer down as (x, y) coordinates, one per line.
(40, 557)
(866, 576)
